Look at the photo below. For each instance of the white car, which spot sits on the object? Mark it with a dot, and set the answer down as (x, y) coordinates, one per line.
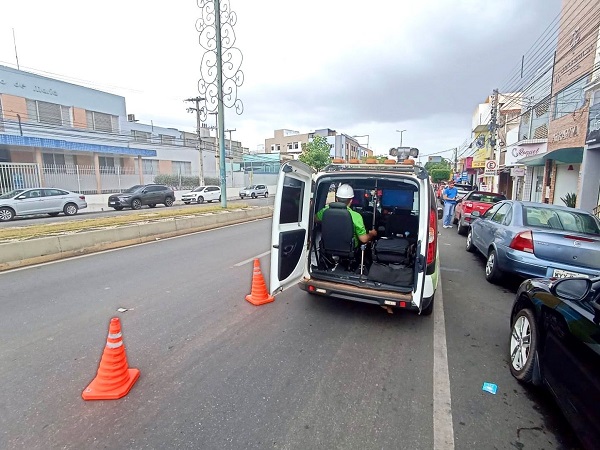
(398, 269)
(202, 194)
(51, 201)
(255, 190)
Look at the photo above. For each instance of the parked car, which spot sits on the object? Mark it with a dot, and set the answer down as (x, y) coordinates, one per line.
(474, 201)
(254, 191)
(202, 194)
(51, 201)
(142, 194)
(555, 342)
(397, 270)
(535, 240)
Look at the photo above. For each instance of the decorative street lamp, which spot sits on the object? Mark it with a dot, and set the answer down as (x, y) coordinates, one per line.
(220, 70)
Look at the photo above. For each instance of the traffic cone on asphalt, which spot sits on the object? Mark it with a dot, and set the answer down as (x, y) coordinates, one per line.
(259, 294)
(115, 378)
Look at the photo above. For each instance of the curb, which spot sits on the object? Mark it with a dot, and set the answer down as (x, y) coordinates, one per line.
(35, 251)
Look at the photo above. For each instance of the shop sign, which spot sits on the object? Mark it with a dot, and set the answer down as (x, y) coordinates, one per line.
(515, 153)
(593, 132)
(567, 133)
(517, 172)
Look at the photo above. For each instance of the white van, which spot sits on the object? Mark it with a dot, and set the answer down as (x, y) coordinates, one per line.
(399, 269)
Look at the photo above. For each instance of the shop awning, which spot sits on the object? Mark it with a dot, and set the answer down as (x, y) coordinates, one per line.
(571, 155)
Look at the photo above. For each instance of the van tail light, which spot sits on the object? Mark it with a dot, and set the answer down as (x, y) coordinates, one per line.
(82, 197)
(432, 239)
(523, 242)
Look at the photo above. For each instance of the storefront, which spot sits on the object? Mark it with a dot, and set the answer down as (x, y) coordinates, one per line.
(589, 192)
(527, 160)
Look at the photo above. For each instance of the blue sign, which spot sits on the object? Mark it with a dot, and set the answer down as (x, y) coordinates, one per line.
(464, 176)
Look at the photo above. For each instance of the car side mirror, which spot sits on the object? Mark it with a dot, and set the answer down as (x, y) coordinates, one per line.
(571, 288)
(21, 197)
(144, 191)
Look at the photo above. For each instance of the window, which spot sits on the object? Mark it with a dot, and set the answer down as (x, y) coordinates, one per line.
(102, 122)
(150, 166)
(141, 136)
(290, 146)
(278, 147)
(561, 220)
(53, 159)
(501, 213)
(273, 147)
(49, 113)
(490, 212)
(570, 99)
(54, 192)
(291, 202)
(181, 167)
(296, 144)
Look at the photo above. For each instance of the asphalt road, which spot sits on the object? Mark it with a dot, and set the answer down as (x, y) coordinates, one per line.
(26, 221)
(219, 373)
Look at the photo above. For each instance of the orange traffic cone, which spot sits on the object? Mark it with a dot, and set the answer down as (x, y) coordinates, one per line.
(259, 294)
(115, 378)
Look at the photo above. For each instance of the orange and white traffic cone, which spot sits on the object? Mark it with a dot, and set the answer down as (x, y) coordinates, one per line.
(114, 379)
(259, 294)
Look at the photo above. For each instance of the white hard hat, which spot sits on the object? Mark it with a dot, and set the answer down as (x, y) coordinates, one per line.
(345, 191)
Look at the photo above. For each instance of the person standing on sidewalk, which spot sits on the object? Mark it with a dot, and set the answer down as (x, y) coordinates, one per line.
(449, 195)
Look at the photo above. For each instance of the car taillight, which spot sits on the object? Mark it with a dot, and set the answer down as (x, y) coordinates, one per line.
(523, 242)
(432, 240)
(82, 197)
(468, 205)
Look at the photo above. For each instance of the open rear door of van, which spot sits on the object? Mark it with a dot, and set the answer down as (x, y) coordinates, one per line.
(289, 234)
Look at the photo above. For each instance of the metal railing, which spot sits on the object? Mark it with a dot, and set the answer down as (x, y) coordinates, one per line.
(19, 176)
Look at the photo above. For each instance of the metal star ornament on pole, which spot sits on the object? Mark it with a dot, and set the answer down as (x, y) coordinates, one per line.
(220, 73)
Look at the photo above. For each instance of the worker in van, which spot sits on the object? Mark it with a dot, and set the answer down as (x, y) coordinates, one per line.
(345, 194)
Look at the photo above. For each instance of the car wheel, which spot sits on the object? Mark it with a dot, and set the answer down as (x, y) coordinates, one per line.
(169, 202)
(219, 198)
(6, 214)
(241, 197)
(200, 199)
(152, 205)
(470, 247)
(492, 273)
(253, 195)
(461, 228)
(266, 194)
(118, 208)
(454, 220)
(70, 209)
(136, 203)
(429, 309)
(523, 345)
(187, 203)
(54, 214)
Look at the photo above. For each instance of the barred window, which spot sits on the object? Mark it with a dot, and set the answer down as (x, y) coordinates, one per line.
(150, 166)
(181, 167)
(102, 122)
(49, 113)
(53, 159)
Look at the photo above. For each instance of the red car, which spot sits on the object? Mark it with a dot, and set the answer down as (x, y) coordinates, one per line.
(474, 201)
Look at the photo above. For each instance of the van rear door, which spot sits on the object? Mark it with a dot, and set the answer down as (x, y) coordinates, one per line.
(289, 233)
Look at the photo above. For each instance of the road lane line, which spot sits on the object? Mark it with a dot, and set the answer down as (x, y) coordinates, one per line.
(246, 261)
(443, 431)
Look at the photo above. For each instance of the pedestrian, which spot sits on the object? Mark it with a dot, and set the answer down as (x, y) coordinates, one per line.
(449, 195)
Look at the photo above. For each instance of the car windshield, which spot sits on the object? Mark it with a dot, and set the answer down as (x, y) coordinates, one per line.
(11, 194)
(250, 187)
(560, 219)
(486, 197)
(132, 189)
(199, 189)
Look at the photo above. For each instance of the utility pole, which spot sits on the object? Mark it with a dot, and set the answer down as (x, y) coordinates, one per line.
(493, 127)
(455, 159)
(231, 152)
(197, 100)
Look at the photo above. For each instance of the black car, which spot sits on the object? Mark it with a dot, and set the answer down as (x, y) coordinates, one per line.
(555, 341)
(142, 194)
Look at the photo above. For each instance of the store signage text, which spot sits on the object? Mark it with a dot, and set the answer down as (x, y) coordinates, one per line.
(574, 63)
(522, 152)
(37, 89)
(565, 134)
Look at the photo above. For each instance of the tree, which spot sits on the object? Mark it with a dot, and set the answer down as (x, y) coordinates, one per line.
(316, 153)
(429, 166)
(438, 174)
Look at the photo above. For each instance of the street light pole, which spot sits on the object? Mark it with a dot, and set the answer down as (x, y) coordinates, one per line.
(401, 133)
(197, 100)
(220, 110)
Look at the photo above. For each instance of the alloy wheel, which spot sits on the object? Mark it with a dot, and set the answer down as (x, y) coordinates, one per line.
(520, 342)
(6, 214)
(490, 263)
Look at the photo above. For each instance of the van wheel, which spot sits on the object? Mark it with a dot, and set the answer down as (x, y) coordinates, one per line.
(427, 311)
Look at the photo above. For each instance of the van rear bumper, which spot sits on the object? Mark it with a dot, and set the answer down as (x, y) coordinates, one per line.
(357, 294)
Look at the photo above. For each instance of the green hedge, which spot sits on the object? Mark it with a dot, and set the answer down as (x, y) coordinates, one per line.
(183, 182)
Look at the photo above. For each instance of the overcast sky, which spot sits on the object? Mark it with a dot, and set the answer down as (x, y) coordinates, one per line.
(359, 67)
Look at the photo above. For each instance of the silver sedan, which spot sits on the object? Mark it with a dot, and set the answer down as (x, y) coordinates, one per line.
(51, 201)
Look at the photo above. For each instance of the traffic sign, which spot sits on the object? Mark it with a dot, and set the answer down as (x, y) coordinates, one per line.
(490, 168)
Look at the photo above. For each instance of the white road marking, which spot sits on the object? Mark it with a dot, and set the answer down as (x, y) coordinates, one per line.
(443, 431)
(246, 261)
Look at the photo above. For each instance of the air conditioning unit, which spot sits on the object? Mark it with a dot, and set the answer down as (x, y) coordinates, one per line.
(131, 118)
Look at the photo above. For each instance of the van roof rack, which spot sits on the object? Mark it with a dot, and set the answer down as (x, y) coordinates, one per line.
(416, 169)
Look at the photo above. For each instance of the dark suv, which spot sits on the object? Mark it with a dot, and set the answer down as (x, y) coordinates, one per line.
(142, 194)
